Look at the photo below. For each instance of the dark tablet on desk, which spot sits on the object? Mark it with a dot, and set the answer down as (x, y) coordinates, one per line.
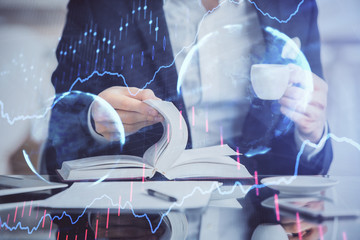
(10, 185)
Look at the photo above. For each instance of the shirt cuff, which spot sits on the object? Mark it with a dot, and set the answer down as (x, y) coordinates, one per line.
(310, 150)
(92, 131)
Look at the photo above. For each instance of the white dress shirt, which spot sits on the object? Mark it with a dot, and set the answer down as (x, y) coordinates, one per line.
(214, 72)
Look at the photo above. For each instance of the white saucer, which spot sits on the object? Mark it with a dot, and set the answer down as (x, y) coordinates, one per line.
(299, 185)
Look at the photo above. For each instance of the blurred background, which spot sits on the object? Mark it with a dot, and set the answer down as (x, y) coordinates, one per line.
(30, 30)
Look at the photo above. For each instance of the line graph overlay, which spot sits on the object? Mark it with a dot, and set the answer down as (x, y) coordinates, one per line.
(215, 186)
(273, 17)
(237, 184)
(119, 75)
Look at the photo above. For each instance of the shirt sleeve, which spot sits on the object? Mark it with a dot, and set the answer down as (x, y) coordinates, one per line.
(310, 151)
(92, 131)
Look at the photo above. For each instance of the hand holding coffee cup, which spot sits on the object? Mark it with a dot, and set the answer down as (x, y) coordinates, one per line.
(302, 95)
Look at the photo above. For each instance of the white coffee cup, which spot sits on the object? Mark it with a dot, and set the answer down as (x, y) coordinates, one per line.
(270, 81)
(267, 231)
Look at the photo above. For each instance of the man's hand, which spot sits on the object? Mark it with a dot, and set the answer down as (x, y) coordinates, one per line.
(307, 109)
(133, 112)
(308, 231)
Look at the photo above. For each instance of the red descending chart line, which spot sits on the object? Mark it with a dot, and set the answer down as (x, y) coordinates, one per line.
(43, 223)
(96, 228)
(256, 183)
(23, 209)
(321, 233)
(143, 175)
(221, 136)
(276, 200)
(30, 207)
(107, 218)
(298, 224)
(344, 236)
(15, 213)
(51, 223)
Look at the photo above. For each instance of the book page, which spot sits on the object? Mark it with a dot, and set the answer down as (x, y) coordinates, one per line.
(173, 142)
(208, 162)
(205, 154)
(123, 173)
(222, 160)
(206, 170)
(110, 166)
(110, 160)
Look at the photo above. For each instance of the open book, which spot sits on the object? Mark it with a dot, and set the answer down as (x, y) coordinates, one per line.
(168, 157)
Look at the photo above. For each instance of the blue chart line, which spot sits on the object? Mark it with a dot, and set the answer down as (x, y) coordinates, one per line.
(82, 80)
(275, 18)
(212, 188)
(21, 117)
